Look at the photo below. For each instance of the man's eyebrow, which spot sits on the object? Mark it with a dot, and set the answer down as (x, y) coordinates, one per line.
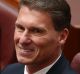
(39, 27)
(16, 23)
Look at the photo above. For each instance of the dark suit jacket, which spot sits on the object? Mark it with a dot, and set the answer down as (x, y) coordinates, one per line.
(61, 67)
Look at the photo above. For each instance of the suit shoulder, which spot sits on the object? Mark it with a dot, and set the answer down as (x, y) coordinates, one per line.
(13, 69)
(14, 66)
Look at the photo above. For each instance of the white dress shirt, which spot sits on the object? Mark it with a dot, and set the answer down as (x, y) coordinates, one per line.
(44, 70)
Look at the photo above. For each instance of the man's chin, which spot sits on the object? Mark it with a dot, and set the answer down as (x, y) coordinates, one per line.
(25, 60)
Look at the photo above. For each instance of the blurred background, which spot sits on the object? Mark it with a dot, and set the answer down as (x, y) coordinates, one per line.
(8, 14)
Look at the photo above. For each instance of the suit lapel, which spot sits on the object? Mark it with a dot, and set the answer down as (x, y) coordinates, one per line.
(59, 66)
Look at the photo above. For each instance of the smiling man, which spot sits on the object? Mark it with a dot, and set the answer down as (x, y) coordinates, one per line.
(41, 29)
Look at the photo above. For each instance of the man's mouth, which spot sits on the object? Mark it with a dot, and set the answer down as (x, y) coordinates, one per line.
(26, 51)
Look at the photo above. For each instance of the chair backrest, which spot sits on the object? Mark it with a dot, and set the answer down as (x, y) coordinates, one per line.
(7, 20)
(75, 64)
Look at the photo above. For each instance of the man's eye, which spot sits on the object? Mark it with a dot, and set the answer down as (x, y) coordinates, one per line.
(37, 31)
(19, 28)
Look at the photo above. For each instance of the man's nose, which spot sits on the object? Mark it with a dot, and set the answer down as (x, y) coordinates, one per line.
(25, 38)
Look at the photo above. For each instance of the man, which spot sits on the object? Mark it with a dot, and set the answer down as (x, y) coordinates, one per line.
(41, 30)
(75, 64)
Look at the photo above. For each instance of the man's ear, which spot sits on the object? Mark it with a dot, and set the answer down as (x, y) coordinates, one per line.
(63, 36)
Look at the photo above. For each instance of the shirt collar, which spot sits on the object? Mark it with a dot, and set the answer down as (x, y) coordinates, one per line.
(44, 70)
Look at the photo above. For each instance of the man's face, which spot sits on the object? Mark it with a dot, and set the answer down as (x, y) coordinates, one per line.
(35, 38)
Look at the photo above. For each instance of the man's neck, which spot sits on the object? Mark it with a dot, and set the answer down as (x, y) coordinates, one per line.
(36, 67)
